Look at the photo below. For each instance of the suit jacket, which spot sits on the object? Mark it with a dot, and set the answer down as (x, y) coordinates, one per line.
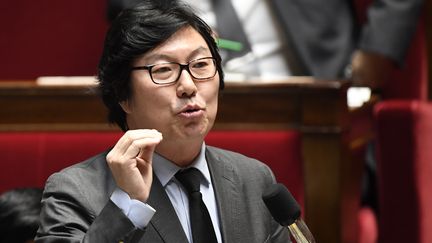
(324, 34)
(77, 206)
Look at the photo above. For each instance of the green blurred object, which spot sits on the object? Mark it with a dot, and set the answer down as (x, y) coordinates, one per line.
(229, 44)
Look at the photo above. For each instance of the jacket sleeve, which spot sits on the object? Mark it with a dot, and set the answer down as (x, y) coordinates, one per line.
(67, 216)
(390, 27)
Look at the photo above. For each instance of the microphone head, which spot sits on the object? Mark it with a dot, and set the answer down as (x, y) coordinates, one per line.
(281, 204)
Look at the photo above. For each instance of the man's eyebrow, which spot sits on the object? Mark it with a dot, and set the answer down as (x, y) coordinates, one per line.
(156, 56)
(198, 51)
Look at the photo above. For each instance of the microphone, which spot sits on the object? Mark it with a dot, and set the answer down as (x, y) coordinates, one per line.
(286, 211)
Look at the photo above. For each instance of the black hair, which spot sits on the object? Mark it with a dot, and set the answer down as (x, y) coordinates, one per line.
(19, 214)
(134, 32)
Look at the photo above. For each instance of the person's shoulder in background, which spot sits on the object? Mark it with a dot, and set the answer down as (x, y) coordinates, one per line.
(19, 214)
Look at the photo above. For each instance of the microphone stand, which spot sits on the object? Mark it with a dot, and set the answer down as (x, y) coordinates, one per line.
(301, 232)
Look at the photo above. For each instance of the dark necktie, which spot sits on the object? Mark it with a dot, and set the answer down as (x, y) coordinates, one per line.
(202, 227)
(230, 27)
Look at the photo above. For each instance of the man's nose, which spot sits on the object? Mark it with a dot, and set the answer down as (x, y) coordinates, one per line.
(186, 86)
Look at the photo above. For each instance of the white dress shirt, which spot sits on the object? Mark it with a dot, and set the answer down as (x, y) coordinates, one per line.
(261, 29)
(140, 213)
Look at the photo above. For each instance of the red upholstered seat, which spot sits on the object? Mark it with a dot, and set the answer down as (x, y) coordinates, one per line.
(28, 158)
(404, 142)
(368, 228)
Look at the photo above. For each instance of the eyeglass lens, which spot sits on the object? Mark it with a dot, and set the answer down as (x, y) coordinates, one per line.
(202, 68)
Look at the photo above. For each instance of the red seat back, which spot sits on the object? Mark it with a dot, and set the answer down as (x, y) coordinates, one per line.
(28, 158)
(404, 143)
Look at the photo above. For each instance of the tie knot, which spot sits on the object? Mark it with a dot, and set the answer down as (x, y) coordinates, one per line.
(190, 179)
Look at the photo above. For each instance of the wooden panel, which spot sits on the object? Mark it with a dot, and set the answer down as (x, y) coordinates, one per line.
(27, 106)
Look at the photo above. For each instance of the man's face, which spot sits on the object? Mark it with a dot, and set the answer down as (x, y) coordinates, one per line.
(180, 111)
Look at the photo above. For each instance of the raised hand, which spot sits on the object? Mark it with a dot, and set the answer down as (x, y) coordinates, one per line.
(130, 162)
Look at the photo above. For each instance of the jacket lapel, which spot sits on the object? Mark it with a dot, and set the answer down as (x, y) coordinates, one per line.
(227, 196)
(165, 220)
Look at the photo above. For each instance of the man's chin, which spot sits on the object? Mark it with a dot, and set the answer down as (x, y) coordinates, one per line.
(195, 131)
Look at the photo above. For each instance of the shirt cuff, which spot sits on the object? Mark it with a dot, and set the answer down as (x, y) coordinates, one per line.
(139, 213)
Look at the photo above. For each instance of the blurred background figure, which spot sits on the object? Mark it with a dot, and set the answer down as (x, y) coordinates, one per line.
(363, 40)
(250, 43)
(19, 215)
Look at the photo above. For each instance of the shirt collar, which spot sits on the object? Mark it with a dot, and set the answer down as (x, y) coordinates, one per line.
(165, 169)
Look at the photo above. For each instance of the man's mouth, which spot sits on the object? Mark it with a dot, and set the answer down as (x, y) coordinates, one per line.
(191, 111)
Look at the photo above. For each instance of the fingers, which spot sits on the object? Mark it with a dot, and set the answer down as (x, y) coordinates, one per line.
(130, 162)
(136, 143)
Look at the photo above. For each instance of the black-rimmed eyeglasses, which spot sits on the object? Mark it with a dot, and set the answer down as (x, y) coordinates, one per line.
(200, 69)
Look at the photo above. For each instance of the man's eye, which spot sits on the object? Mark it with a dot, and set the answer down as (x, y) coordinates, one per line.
(201, 64)
(160, 70)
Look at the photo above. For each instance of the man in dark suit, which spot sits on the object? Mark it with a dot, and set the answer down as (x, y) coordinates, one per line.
(323, 39)
(160, 75)
(328, 35)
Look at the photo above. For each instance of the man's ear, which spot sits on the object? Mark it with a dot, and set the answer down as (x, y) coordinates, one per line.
(125, 106)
